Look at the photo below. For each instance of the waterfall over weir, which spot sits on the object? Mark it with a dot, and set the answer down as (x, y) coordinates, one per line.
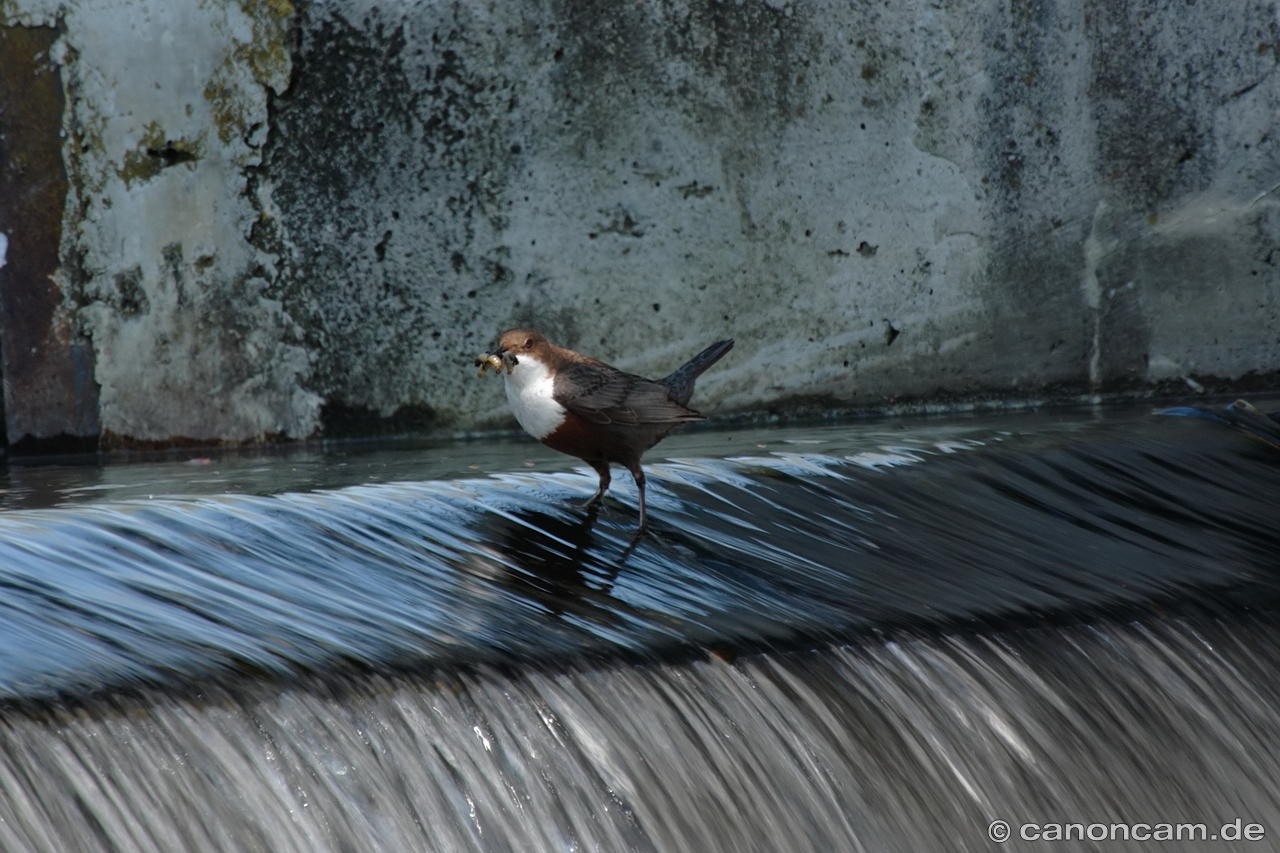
(837, 638)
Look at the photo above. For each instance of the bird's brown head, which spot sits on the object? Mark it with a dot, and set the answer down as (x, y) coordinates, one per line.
(521, 341)
(512, 344)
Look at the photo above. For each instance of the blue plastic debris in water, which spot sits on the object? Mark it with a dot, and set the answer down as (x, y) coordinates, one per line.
(1241, 415)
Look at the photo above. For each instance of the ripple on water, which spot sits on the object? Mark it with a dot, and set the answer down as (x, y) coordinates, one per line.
(861, 530)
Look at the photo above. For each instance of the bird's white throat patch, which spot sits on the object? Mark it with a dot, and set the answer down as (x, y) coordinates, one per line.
(529, 387)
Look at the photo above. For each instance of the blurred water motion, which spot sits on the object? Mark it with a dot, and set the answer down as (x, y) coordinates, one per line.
(841, 638)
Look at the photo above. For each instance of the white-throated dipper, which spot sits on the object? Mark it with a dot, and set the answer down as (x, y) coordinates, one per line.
(588, 409)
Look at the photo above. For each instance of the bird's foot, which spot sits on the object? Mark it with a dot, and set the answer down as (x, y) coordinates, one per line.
(592, 508)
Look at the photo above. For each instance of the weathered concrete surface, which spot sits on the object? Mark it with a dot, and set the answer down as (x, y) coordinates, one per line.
(1033, 195)
(285, 217)
(50, 398)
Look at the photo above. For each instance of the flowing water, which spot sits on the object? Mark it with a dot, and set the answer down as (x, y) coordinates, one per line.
(869, 636)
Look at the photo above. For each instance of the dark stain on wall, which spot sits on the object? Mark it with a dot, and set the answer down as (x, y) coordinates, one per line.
(372, 125)
(50, 396)
(1155, 124)
(1149, 108)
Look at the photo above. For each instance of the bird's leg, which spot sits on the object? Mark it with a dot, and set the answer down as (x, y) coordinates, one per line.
(638, 473)
(602, 468)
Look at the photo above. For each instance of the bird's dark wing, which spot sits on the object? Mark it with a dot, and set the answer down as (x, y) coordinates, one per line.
(605, 395)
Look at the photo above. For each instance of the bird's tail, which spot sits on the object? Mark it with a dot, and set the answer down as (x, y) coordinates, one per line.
(680, 382)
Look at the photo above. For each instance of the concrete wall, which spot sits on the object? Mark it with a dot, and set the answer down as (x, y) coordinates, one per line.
(165, 120)
(285, 220)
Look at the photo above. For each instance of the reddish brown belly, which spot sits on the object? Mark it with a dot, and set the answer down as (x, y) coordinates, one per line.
(600, 443)
(580, 438)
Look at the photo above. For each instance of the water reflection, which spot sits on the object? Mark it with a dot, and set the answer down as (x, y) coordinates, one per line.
(556, 560)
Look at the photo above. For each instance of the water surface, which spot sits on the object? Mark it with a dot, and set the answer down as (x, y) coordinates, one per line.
(868, 636)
